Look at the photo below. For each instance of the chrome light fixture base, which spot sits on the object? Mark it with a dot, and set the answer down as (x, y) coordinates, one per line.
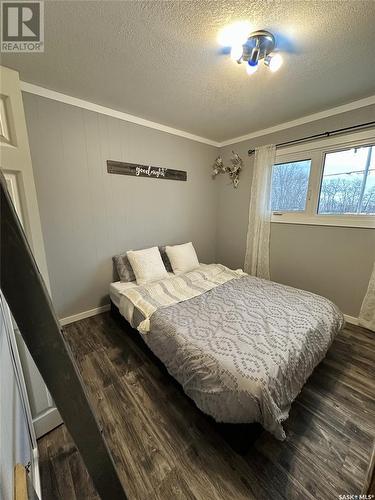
(258, 46)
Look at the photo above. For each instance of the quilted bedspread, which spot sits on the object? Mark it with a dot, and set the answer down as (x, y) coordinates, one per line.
(244, 349)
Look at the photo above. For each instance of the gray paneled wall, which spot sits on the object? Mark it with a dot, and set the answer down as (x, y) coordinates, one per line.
(333, 261)
(89, 215)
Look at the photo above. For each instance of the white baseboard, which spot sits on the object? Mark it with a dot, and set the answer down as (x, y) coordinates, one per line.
(351, 319)
(84, 314)
(46, 421)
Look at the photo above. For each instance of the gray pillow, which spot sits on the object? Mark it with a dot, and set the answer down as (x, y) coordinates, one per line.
(123, 267)
(125, 271)
(165, 259)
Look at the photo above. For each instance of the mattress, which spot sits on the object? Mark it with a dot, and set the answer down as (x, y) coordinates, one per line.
(243, 349)
(117, 291)
(117, 288)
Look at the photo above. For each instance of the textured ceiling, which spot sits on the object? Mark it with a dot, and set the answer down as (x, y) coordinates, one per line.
(159, 60)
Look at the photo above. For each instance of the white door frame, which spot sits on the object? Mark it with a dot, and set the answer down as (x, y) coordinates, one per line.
(15, 162)
(18, 373)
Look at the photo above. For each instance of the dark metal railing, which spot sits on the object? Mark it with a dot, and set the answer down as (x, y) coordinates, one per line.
(321, 135)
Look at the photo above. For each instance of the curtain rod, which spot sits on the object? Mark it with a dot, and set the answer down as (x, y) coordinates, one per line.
(317, 136)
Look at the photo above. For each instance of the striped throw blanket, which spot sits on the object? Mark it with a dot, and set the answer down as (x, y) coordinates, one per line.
(148, 298)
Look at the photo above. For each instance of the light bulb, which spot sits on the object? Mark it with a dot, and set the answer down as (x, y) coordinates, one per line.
(254, 58)
(234, 34)
(274, 62)
(250, 70)
(236, 52)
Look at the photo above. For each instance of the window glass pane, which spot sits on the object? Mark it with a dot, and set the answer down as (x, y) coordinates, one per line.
(289, 186)
(348, 182)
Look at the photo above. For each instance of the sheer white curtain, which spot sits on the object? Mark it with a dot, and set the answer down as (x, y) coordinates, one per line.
(367, 313)
(257, 260)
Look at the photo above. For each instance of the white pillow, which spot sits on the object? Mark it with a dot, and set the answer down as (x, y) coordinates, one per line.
(147, 265)
(183, 258)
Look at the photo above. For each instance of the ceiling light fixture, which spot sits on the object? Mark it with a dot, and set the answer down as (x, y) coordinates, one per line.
(236, 52)
(274, 62)
(254, 57)
(234, 34)
(250, 69)
(257, 46)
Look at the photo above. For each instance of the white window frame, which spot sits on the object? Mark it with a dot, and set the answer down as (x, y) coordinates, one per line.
(316, 151)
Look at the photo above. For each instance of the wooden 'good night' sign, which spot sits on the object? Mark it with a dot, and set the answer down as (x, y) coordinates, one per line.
(118, 167)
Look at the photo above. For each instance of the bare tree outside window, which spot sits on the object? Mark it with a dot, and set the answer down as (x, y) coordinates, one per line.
(289, 186)
(348, 183)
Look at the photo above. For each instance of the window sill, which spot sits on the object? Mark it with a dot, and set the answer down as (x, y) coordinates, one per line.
(326, 220)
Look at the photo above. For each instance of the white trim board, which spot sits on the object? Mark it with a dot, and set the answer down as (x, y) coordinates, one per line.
(351, 319)
(84, 314)
(47, 421)
(97, 108)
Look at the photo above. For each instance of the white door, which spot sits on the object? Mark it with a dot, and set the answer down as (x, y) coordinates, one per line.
(15, 162)
(17, 436)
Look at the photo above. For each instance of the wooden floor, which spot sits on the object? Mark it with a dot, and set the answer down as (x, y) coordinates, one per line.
(165, 448)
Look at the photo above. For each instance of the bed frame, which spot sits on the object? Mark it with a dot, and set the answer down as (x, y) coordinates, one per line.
(239, 436)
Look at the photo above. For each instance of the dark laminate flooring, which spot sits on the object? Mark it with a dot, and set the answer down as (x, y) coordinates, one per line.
(165, 448)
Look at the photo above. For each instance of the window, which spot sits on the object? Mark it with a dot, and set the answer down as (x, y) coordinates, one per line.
(289, 186)
(348, 182)
(327, 182)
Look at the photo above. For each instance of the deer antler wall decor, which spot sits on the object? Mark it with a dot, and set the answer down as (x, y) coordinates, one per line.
(233, 171)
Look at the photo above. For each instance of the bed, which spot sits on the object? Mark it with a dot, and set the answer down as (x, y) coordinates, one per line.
(240, 346)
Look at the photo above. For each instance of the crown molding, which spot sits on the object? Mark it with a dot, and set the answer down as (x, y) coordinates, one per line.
(360, 103)
(97, 108)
